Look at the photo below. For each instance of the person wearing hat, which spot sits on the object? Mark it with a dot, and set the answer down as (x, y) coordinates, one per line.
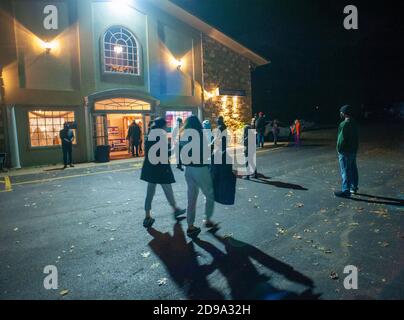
(347, 148)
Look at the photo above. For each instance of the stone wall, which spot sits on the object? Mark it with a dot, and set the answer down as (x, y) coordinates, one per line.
(224, 68)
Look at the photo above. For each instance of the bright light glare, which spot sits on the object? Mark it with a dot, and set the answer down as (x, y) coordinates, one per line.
(118, 49)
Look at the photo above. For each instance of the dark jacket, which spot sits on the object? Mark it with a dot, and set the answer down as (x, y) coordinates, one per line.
(202, 161)
(134, 132)
(348, 137)
(260, 125)
(156, 173)
(66, 136)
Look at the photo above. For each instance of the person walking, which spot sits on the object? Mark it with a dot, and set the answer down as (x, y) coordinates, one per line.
(198, 177)
(134, 135)
(260, 127)
(347, 148)
(155, 174)
(275, 131)
(177, 143)
(67, 136)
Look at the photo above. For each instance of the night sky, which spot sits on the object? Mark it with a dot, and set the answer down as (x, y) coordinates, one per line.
(315, 62)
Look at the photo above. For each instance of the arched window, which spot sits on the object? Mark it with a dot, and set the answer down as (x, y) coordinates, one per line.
(121, 51)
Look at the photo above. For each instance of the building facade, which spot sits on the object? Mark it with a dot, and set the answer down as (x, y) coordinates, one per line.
(101, 65)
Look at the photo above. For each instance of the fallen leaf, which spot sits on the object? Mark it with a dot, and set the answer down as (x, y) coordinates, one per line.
(15, 229)
(155, 265)
(296, 236)
(384, 244)
(328, 251)
(145, 254)
(299, 205)
(64, 292)
(162, 281)
(334, 275)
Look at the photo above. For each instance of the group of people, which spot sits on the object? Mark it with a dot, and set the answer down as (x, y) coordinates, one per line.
(197, 175)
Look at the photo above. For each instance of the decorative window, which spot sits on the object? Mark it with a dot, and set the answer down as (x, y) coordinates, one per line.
(121, 104)
(44, 127)
(121, 51)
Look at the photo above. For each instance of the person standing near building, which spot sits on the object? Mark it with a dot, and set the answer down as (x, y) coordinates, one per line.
(155, 174)
(198, 176)
(176, 142)
(275, 131)
(134, 133)
(347, 148)
(296, 131)
(260, 127)
(67, 136)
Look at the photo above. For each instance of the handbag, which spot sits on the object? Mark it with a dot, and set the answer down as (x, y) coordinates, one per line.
(224, 183)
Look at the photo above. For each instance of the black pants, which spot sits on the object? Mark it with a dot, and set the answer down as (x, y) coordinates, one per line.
(135, 146)
(67, 153)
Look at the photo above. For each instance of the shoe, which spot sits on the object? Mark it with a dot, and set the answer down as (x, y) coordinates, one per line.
(179, 212)
(180, 168)
(148, 222)
(247, 178)
(210, 224)
(193, 233)
(64, 167)
(341, 194)
(354, 191)
(71, 166)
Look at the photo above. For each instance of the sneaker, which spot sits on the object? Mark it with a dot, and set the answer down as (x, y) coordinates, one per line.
(193, 233)
(64, 167)
(71, 165)
(180, 168)
(341, 194)
(148, 222)
(210, 224)
(354, 191)
(179, 212)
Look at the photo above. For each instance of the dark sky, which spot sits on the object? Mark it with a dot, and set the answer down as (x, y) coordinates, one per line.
(314, 60)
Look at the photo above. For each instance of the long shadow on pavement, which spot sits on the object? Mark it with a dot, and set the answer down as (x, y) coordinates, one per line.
(377, 200)
(244, 280)
(181, 262)
(279, 184)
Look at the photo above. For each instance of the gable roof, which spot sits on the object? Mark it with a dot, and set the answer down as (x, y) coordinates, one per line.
(210, 31)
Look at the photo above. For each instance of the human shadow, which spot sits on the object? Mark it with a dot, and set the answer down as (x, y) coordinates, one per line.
(244, 280)
(180, 260)
(374, 200)
(380, 198)
(280, 184)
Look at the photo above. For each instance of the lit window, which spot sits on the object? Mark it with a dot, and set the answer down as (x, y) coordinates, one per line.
(171, 118)
(45, 126)
(122, 104)
(121, 51)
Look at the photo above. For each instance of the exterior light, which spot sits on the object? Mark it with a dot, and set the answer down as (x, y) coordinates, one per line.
(179, 64)
(118, 49)
(48, 46)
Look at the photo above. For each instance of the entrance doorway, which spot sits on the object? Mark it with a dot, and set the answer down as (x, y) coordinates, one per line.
(118, 125)
(112, 118)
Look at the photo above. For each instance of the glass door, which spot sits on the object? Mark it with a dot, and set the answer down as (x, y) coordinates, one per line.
(100, 130)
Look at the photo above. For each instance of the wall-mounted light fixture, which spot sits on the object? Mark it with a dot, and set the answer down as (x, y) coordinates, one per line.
(179, 64)
(48, 46)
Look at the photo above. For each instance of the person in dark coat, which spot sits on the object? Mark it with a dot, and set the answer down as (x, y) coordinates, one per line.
(260, 127)
(155, 174)
(67, 136)
(134, 136)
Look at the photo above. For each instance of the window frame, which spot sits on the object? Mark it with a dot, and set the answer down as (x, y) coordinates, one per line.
(120, 77)
(49, 109)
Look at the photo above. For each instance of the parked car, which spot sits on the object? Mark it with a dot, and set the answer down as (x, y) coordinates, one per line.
(284, 132)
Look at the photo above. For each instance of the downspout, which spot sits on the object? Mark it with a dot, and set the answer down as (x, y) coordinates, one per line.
(12, 124)
(200, 110)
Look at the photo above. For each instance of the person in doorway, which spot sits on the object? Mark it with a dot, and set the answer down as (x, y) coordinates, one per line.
(141, 139)
(347, 148)
(176, 141)
(155, 174)
(275, 131)
(260, 127)
(197, 176)
(67, 136)
(134, 133)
